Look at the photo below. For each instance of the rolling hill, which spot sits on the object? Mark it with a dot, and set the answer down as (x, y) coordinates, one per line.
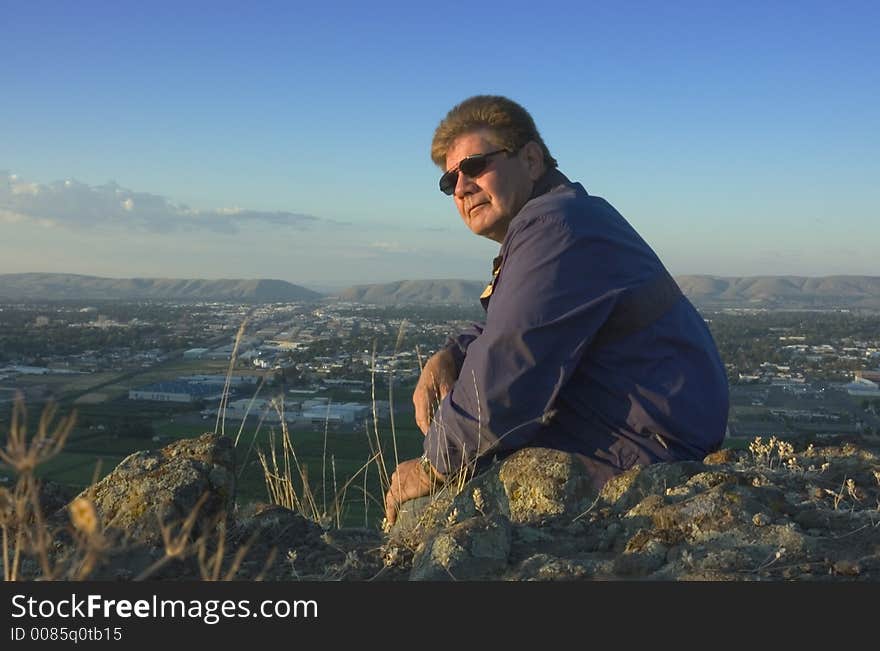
(416, 292)
(54, 287)
(783, 292)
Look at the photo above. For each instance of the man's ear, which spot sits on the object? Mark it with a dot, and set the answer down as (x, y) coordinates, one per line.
(533, 156)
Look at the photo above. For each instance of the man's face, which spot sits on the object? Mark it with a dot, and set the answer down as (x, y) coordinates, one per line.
(489, 201)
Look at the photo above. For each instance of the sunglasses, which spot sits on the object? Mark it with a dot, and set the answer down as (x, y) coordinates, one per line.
(471, 166)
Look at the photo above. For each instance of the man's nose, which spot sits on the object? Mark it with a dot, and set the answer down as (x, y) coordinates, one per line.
(464, 185)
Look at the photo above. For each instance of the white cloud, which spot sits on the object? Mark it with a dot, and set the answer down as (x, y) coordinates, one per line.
(391, 247)
(24, 188)
(9, 217)
(76, 205)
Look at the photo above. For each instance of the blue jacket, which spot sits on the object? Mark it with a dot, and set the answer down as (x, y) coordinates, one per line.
(541, 371)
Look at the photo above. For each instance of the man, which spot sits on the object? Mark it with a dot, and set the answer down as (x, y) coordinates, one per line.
(588, 345)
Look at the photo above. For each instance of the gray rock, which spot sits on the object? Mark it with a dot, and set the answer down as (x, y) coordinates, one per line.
(541, 484)
(628, 489)
(164, 486)
(474, 549)
(530, 487)
(641, 557)
(546, 567)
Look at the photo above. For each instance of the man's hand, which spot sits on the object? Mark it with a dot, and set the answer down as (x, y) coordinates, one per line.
(436, 380)
(408, 482)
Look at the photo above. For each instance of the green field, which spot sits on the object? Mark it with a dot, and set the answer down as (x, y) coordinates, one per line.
(169, 371)
(64, 385)
(116, 384)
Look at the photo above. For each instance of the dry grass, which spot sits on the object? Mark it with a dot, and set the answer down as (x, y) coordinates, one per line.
(287, 480)
(22, 522)
(224, 400)
(28, 539)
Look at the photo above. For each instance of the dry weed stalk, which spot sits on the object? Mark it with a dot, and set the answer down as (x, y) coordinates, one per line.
(589, 508)
(763, 453)
(376, 449)
(279, 477)
(91, 542)
(397, 344)
(849, 488)
(175, 538)
(279, 485)
(224, 400)
(282, 490)
(7, 512)
(250, 449)
(324, 460)
(248, 411)
(24, 529)
(771, 559)
(211, 565)
(23, 456)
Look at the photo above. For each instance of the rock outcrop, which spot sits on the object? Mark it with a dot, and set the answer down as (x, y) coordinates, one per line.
(772, 514)
(148, 489)
(766, 514)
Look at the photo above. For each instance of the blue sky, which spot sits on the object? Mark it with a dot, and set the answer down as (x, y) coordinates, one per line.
(290, 140)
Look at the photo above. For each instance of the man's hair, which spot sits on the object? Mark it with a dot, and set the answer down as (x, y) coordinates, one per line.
(511, 125)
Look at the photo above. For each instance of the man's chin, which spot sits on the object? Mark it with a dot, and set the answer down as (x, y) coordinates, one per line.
(478, 228)
(488, 228)
(488, 233)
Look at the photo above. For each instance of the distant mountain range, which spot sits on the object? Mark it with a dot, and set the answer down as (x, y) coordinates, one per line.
(422, 292)
(56, 287)
(783, 292)
(771, 292)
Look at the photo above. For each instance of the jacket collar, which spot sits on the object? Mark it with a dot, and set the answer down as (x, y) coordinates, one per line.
(551, 180)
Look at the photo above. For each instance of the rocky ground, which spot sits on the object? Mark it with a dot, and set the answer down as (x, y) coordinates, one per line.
(770, 513)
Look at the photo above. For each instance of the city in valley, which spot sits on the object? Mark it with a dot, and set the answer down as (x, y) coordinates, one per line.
(338, 376)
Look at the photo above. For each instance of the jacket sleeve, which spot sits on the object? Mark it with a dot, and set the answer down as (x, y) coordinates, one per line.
(554, 291)
(458, 344)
